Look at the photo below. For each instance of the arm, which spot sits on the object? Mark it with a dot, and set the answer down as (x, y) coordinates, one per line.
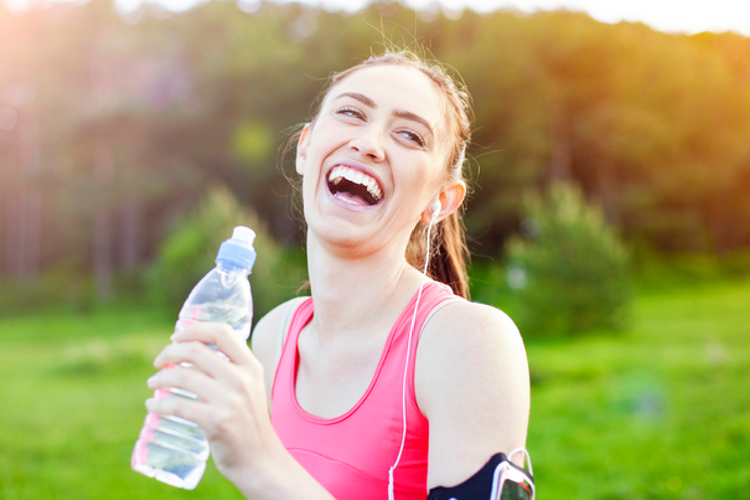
(232, 409)
(472, 383)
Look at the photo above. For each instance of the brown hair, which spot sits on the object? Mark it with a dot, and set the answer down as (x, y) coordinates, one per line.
(450, 255)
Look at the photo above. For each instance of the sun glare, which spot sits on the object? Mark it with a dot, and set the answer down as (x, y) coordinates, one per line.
(671, 16)
(674, 16)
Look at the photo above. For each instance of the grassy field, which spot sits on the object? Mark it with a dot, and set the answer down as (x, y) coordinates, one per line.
(73, 389)
(661, 411)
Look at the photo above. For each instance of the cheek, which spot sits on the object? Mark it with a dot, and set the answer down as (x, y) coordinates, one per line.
(429, 179)
(310, 183)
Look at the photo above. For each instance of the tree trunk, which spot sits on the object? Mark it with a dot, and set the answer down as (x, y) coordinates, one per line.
(20, 210)
(131, 241)
(30, 232)
(10, 230)
(103, 230)
(561, 155)
(606, 186)
(28, 235)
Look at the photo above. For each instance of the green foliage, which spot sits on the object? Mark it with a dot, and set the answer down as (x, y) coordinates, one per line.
(188, 253)
(253, 142)
(133, 116)
(60, 289)
(655, 271)
(570, 274)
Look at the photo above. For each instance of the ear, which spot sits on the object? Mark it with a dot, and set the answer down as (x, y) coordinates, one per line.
(302, 144)
(450, 199)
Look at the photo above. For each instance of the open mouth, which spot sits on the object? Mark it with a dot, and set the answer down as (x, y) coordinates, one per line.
(354, 186)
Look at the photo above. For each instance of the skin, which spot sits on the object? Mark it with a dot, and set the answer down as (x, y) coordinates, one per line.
(471, 377)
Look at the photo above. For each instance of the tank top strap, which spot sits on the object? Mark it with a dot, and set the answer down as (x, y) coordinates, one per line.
(300, 317)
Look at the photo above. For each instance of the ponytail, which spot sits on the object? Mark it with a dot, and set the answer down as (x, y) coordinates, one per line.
(449, 253)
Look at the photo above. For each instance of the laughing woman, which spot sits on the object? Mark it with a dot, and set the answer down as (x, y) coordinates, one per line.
(386, 382)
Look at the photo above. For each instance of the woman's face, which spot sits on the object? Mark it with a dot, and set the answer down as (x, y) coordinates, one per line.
(375, 157)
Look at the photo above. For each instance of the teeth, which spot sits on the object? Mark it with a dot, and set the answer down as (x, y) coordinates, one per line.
(357, 177)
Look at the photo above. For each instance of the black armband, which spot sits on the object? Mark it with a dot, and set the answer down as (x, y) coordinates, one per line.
(486, 484)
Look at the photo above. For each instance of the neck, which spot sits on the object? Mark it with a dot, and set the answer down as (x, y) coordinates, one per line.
(358, 295)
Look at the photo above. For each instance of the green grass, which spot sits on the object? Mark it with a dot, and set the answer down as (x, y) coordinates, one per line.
(73, 389)
(660, 411)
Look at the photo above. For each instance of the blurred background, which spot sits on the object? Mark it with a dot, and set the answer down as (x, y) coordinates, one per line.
(609, 215)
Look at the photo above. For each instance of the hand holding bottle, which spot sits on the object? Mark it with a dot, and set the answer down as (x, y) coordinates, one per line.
(231, 403)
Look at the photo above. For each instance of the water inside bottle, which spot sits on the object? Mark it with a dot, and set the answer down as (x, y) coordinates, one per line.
(171, 449)
(239, 318)
(167, 463)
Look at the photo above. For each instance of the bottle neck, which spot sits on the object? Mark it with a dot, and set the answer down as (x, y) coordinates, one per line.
(231, 267)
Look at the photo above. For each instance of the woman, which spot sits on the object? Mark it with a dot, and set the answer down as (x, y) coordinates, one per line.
(382, 379)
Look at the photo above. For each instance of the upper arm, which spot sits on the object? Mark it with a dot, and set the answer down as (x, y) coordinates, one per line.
(267, 337)
(472, 384)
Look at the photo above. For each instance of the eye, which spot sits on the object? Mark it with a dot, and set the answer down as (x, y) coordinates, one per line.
(351, 112)
(412, 136)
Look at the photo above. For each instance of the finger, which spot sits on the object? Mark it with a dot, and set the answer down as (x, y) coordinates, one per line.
(197, 383)
(197, 354)
(166, 403)
(221, 335)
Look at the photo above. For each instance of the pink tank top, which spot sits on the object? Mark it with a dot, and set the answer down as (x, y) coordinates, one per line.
(351, 455)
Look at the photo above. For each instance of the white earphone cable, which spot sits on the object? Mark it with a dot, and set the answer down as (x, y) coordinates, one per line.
(391, 487)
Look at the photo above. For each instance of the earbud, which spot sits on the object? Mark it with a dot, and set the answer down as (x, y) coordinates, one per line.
(436, 208)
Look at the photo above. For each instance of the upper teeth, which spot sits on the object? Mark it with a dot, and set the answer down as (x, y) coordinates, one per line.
(357, 177)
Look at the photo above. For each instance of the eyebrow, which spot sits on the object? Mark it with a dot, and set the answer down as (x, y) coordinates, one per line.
(360, 97)
(399, 113)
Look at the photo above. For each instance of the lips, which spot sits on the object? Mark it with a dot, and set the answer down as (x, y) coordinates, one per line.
(354, 186)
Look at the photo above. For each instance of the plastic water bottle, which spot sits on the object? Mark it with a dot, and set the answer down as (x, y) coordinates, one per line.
(172, 449)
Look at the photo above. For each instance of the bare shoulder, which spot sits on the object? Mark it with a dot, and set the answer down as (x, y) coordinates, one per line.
(268, 335)
(465, 332)
(472, 383)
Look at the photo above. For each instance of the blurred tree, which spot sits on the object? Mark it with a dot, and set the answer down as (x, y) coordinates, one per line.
(494, 55)
(190, 249)
(20, 140)
(570, 271)
(652, 126)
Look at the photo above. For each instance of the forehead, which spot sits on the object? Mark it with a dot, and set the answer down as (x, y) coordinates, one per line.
(394, 87)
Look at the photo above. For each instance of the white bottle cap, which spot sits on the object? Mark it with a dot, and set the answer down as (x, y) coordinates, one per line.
(244, 234)
(239, 248)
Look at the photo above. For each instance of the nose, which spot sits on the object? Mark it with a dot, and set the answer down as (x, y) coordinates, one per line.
(369, 144)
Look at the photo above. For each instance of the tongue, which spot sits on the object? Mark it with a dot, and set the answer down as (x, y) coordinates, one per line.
(350, 198)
